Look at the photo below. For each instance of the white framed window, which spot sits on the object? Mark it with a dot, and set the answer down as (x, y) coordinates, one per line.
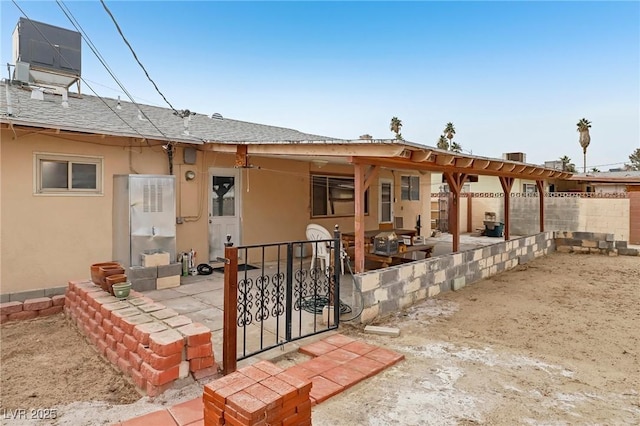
(57, 174)
(529, 188)
(410, 188)
(385, 207)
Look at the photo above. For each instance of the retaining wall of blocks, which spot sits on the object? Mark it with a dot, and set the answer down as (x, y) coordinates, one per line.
(152, 344)
(259, 394)
(389, 290)
(592, 243)
(31, 308)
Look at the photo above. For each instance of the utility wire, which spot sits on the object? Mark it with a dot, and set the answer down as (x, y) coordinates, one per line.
(80, 77)
(95, 51)
(176, 112)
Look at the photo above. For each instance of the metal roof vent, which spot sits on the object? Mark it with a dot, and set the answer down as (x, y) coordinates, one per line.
(217, 116)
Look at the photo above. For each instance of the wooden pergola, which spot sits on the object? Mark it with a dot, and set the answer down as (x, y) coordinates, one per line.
(456, 168)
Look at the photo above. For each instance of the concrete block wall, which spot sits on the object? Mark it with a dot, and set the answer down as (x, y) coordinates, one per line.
(605, 215)
(559, 214)
(592, 243)
(389, 290)
(31, 308)
(154, 277)
(152, 344)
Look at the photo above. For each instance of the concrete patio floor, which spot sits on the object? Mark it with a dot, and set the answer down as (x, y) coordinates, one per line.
(201, 298)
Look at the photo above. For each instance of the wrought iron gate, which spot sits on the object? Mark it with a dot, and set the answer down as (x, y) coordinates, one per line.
(277, 296)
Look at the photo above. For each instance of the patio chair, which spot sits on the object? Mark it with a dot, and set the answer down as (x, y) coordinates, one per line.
(322, 249)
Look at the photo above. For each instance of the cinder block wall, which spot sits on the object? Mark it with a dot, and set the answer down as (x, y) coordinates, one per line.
(389, 290)
(605, 215)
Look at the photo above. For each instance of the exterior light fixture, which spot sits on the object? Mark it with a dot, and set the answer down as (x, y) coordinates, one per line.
(189, 175)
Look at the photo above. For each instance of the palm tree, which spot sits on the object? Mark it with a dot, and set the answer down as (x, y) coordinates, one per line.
(443, 143)
(456, 147)
(396, 125)
(449, 131)
(583, 127)
(567, 166)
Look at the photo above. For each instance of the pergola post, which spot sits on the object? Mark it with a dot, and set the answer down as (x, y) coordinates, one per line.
(470, 212)
(358, 226)
(455, 181)
(540, 186)
(362, 183)
(507, 183)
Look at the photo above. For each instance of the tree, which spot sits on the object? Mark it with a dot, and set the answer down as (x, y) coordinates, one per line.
(366, 136)
(396, 125)
(443, 143)
(456, 147)
(449, 131)
(635, 160)
(567, 165)
(583, 128)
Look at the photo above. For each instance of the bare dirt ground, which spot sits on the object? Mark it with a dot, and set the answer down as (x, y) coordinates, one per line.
(50, 371)
(46, 362)
(554, 342)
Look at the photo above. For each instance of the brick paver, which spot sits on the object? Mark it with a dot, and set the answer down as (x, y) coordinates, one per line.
(340, 363)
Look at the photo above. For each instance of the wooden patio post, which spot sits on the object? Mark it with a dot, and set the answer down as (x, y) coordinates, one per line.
(230, 326)
(507, 183)
(455, 181)
(469, 212)
(540, 186)
(359, 189)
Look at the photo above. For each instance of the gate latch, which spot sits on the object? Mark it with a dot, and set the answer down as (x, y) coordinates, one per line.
(223, 260)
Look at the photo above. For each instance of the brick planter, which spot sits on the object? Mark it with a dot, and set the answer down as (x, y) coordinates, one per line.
(148, 342)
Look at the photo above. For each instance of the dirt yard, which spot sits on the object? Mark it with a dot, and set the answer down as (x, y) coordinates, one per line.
(554, 342)
(46, 362)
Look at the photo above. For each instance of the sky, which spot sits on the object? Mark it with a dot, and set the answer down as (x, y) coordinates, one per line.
(512, 76)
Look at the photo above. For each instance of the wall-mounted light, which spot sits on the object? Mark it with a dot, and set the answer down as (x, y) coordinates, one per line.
(319, 163)
(189, 175)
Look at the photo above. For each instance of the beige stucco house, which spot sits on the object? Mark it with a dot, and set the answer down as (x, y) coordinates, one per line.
(58, 161)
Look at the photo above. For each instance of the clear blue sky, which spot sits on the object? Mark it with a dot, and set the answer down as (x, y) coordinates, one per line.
(511, 76)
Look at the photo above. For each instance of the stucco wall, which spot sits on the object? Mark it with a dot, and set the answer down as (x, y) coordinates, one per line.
(604, 215)
(47, 239)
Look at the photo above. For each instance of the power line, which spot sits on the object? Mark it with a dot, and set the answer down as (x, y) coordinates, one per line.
(176, 112)
(80, 77)
(95, 51)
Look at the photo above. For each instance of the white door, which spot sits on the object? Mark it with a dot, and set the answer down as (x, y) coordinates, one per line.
(224, 210)
(385, 205)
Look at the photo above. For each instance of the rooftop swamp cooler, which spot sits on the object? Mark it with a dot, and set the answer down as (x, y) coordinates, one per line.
(144, 217)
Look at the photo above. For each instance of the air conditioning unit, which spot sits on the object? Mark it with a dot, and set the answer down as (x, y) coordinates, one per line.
(515, 156)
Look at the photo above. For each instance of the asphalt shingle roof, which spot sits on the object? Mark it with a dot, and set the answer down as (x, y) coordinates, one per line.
(89, 114)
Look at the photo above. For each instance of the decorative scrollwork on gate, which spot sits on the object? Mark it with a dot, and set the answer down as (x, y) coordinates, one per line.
(278, 294)
(262, 297)
(245, 302)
